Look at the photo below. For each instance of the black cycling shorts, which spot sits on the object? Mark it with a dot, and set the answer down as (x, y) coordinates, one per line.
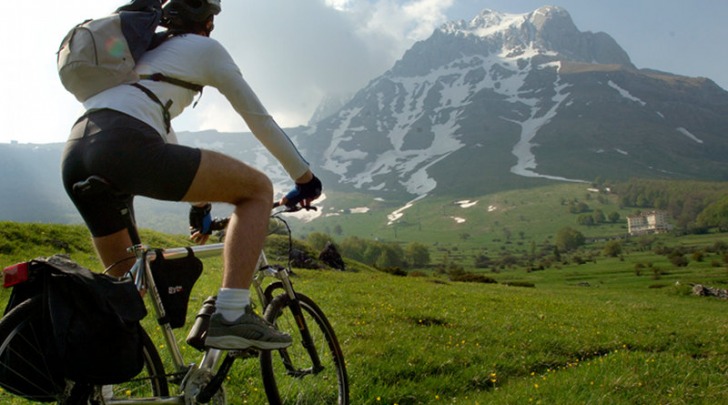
(132, 157)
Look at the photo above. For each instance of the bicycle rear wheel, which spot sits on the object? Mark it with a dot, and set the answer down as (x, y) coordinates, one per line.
(26, 369)
(151, 382)
(312, 370)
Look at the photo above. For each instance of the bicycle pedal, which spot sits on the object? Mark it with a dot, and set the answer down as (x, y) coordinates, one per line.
(244, 354)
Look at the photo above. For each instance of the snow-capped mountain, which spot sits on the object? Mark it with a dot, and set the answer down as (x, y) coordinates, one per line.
(507, 100)
(503, 101)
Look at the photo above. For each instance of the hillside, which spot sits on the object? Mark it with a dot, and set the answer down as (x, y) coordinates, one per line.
(510, 220)
(615, 328)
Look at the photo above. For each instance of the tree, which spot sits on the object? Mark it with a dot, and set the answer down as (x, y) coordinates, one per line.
(599, 217)
(613, 248)
(482, 261)
(353, 248)
(390, 255)
(614, 217)
(568, 239)
(585, 219)
(318, 240)
(417, 254)
(578, 207)
(372, 252)
(715, 215)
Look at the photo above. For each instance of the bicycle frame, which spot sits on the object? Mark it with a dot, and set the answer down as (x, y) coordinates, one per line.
(204, 381)
(142, 275)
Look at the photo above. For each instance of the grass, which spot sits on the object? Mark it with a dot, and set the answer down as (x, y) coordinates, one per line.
(596, 333)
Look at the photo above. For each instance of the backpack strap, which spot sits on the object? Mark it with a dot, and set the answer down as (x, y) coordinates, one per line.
(159, 77)
(165, 107)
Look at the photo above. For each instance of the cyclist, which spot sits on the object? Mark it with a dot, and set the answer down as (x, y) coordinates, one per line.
(124, 138)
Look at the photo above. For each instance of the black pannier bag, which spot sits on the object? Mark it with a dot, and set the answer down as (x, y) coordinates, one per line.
(87, 331)
(95, 320)
(174, 279)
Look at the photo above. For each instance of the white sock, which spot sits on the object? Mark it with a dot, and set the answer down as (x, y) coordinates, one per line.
(231, 302)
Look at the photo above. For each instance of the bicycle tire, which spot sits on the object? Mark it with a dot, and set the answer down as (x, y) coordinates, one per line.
(151, 382)
(288, 375)
(25, 369)
(23, 356)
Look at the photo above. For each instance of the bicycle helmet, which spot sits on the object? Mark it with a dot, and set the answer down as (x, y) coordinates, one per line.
(176, 11)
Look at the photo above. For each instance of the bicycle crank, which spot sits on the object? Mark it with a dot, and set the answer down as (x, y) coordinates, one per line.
(196, 382)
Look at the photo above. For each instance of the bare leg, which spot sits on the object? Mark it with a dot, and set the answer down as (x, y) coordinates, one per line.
(223, 179)
(219, 179)
(112, 250)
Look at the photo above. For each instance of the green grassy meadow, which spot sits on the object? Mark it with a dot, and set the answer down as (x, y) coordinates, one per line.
(504, 220)
(609, 331)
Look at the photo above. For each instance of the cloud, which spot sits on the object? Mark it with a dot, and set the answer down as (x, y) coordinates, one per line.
(429, 14)
(389, 23)
(292, 52)
(340, 5)
(295, 54)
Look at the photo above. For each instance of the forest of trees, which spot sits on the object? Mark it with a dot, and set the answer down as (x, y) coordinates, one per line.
(382, 255)
(695, 206)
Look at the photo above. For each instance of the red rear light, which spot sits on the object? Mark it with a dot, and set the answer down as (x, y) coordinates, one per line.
(15, 274)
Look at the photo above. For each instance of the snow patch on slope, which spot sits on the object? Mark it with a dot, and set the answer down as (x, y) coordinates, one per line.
(688, 134)
(624, 93)
(526, 160)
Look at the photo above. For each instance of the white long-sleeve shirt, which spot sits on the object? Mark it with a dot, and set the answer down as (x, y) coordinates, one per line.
(200, 60)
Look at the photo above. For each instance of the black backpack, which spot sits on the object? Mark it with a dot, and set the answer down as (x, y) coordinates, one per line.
(95, 321)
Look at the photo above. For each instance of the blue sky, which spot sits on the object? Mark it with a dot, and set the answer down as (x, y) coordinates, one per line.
(293, 52)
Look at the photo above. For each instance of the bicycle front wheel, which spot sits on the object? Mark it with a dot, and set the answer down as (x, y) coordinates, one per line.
(312, 369)
(26, 371)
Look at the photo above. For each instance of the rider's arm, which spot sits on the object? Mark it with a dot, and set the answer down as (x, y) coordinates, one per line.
(225, 75)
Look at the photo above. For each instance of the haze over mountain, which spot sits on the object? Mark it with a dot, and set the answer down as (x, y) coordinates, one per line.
(502, 101)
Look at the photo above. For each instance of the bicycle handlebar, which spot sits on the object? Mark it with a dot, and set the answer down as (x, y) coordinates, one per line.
(294, 208)
(219, 224)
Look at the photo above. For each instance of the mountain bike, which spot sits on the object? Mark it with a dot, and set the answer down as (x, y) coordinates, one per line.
(312, 370)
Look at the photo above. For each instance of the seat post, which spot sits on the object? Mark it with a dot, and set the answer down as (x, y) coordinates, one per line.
(125, 211)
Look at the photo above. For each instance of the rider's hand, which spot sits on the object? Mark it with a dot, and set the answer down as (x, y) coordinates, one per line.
(200, 223)
(307, 189)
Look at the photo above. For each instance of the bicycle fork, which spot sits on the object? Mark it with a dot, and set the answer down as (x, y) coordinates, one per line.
(282, 274)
